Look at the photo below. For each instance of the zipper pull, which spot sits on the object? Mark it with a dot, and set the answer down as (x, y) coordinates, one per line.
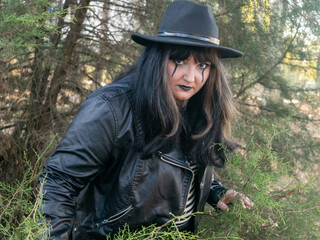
(101, 223)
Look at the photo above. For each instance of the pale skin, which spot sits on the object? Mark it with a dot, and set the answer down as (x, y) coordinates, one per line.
(232, 195)
(187, 78)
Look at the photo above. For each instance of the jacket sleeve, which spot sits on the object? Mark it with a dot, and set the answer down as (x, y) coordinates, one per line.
(83, 152)
(217, 190)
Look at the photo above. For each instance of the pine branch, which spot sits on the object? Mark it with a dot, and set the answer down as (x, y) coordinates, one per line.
(263, 76)
(260, 161)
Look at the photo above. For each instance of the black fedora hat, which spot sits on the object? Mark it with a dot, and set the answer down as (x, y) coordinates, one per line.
(191, 24)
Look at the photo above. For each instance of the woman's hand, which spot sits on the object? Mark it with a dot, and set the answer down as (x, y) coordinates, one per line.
(230, 196)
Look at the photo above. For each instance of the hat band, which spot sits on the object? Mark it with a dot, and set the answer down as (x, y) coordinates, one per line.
(193, 36)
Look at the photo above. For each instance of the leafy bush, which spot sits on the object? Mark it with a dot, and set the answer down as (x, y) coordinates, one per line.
(283, 208)
(253, 171)
(285, 196)
(20, 206)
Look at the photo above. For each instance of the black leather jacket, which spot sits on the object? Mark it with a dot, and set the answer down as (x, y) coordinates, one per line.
(96, 181)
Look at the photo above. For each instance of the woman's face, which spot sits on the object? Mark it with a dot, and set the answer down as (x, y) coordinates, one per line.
(187, 77)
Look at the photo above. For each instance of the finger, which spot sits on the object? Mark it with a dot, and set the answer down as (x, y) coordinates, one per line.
(221, 205)
(243, 204)
(231, 193)
(229, 196)
(246, 201)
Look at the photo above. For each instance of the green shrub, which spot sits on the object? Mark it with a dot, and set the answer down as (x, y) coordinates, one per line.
(20, 206)
(284, 207)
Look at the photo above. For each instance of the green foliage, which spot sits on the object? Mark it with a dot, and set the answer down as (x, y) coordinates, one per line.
(302, 212)
(23, 24)
(283, 207)
(278, 167)
(253, 171)
(165, 232)
(20, 206)
(284, 191)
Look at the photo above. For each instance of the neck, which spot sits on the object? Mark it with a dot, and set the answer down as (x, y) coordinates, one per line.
(182, 104)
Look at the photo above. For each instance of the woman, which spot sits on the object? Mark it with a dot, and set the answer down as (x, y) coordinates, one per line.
(144, 147)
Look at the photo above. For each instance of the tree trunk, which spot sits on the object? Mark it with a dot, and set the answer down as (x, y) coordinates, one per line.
(32, 130)
(103, 32)
(67, 50)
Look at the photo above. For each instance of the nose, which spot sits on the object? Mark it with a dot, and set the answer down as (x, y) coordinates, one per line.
(189, 75)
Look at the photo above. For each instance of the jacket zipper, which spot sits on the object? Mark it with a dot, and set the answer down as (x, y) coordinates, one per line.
(162, 157)
(115, 217)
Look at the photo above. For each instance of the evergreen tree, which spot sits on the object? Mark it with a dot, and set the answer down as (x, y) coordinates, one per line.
(54, 53)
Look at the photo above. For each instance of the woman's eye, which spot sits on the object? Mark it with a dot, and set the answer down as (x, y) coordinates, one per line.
(179, 62)
(203, 65)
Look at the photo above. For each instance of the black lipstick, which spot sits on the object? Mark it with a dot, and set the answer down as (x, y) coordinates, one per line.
(185, 88)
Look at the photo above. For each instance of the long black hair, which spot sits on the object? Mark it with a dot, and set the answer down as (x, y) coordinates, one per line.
(202, 128)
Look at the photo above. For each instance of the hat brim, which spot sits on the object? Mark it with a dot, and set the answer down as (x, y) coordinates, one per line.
(223, 52)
